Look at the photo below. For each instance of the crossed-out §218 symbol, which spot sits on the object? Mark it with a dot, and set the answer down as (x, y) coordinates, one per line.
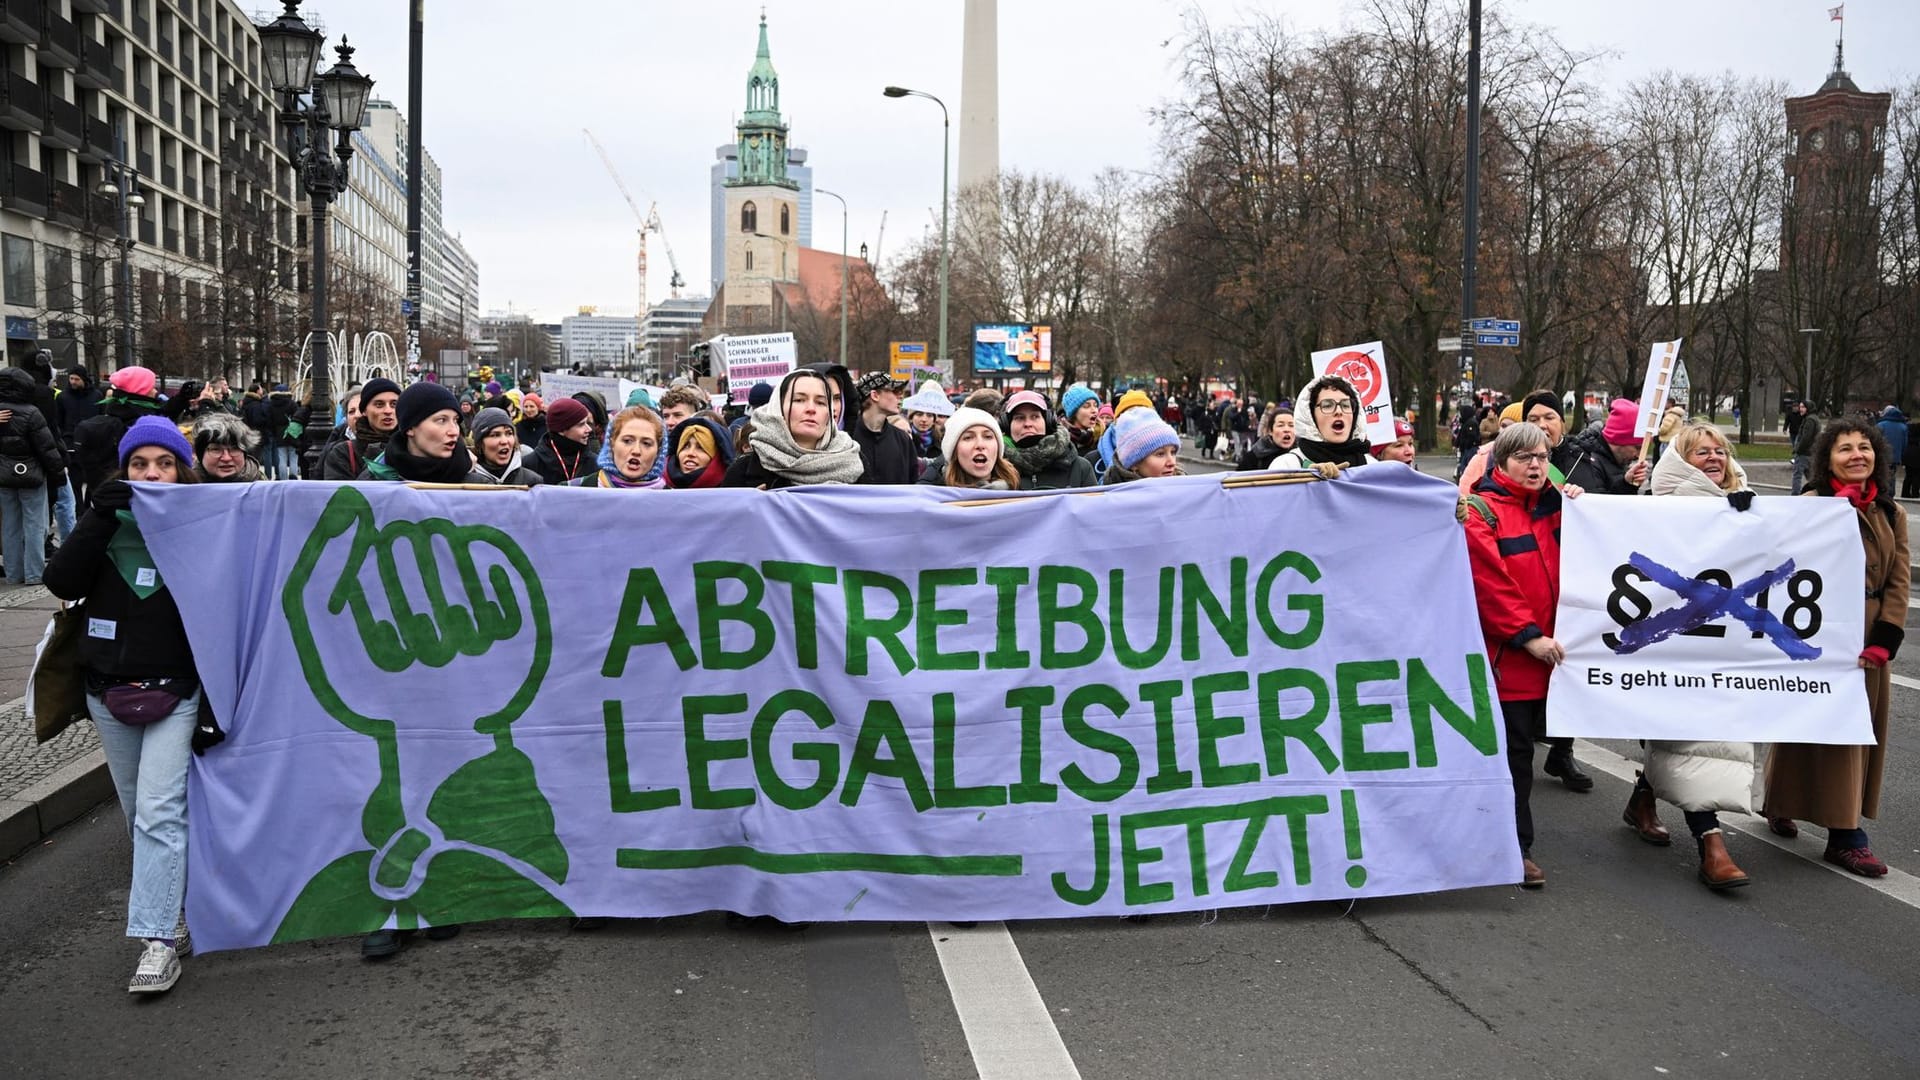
(1712, 595)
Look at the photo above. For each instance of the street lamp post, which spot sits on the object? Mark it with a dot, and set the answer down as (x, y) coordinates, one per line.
(123, 182)
(946, 143)
(312, 107)
(843, 271)
(1806, 382)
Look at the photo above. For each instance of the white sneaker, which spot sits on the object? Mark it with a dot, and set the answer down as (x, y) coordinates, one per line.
(159, 969)
(182, 937)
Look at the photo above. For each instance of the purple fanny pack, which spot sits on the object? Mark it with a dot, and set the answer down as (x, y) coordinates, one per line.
(146, 701)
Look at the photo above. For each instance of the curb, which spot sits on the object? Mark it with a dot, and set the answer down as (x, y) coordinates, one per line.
(53, 801)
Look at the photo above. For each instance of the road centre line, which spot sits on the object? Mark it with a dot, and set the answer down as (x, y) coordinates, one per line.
(1898, 884)
(1009, 1030)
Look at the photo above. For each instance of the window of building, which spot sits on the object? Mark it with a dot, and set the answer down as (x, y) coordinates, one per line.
(786, 224)
(749, 218)
(16, 267)
(749, 256)
(59, 278)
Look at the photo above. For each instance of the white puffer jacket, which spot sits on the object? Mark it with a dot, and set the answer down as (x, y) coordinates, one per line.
(1701, 775)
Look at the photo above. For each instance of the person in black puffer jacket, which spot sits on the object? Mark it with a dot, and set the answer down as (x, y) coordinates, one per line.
(143, 691)
(31, 463)
(1601, 459)
(1042, 451)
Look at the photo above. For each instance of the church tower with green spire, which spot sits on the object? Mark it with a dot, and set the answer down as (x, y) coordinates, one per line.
(763, 245)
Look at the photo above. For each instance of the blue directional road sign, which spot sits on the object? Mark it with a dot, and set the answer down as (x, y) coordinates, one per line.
(1493, 326)
(1511, 341)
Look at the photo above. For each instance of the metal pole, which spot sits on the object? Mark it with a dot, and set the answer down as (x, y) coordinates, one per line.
(126, 272)
(1806, 383)
(946, 146)
(1470, 242)
(415, 34)
(843, 272)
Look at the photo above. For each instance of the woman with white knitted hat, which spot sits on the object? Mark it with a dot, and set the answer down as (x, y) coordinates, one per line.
(974, 455)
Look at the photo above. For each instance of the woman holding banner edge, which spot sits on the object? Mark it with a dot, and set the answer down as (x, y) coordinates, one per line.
(1836, 786)
(1512, 519)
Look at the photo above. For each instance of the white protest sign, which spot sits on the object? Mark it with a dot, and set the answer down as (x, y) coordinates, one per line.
(753, 358)
(1365, 366)
(554, 386)
(1658, 384)
(1687, 619)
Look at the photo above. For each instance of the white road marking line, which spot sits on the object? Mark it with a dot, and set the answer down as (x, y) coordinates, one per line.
(1898, 884)
(1008, 1028)
(1902, 680)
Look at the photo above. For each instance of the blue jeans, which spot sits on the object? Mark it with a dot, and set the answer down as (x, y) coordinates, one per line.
(23, 533)
(62, 512)
(286, 461)
(1802, 466)
(149, 767)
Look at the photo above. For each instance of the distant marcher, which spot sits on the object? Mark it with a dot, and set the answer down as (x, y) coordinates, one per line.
(1806, 430)
(31, 462)
(348, 458)
(562, 456)
(1893, 428)
(885, 441)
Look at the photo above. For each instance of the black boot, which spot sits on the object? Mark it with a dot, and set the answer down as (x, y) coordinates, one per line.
(1563, 766)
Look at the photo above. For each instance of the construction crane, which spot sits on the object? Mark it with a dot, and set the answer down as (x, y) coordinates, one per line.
(648, 222)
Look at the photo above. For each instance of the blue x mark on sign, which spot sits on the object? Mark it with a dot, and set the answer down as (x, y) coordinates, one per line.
(1705, 602)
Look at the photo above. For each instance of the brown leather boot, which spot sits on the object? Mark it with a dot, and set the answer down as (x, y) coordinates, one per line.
(1642, 815)
(1717, 871)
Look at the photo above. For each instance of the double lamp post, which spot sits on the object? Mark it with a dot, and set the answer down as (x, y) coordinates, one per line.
(313, 107)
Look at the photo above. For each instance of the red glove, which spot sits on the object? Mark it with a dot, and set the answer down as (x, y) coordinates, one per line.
(1875, 656)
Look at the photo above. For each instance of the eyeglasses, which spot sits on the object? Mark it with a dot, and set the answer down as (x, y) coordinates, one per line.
(1334, 407)
(1530, 459)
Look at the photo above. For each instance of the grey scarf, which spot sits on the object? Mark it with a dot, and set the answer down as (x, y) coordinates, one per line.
(1052, 449)
(838, 462)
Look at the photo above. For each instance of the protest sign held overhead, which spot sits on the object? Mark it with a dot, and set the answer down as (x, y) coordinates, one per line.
(1656, 389)
(437, 712)
(1365, 367)
(1688, 619)
(750, 359)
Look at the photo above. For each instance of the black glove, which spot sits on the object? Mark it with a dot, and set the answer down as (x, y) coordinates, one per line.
(1740, 500)
(112, 495)
(206, 729)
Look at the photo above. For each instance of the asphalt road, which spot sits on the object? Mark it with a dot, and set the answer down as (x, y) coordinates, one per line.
(1622, 967)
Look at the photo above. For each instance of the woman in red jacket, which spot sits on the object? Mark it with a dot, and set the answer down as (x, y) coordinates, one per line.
(1513, 544)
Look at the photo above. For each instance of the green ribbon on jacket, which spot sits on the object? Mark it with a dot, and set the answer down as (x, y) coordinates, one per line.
(128, 550)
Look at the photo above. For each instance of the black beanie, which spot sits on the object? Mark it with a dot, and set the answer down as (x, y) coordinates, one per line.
(1542, 397)
(374, 388)
(419, 401)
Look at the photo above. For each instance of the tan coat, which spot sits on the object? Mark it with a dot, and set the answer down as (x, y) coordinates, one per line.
(1836, 786)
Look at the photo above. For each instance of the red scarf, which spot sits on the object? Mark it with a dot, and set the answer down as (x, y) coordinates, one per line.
(1860, 495)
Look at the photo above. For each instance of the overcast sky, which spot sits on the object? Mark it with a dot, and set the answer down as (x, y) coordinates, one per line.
(510, 85)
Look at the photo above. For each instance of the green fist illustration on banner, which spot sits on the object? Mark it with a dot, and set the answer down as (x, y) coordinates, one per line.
(457, 828)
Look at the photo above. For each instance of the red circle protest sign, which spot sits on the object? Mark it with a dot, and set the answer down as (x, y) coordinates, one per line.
(1362, 371)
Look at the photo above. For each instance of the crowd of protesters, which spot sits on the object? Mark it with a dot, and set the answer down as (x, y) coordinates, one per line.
(819, 425)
